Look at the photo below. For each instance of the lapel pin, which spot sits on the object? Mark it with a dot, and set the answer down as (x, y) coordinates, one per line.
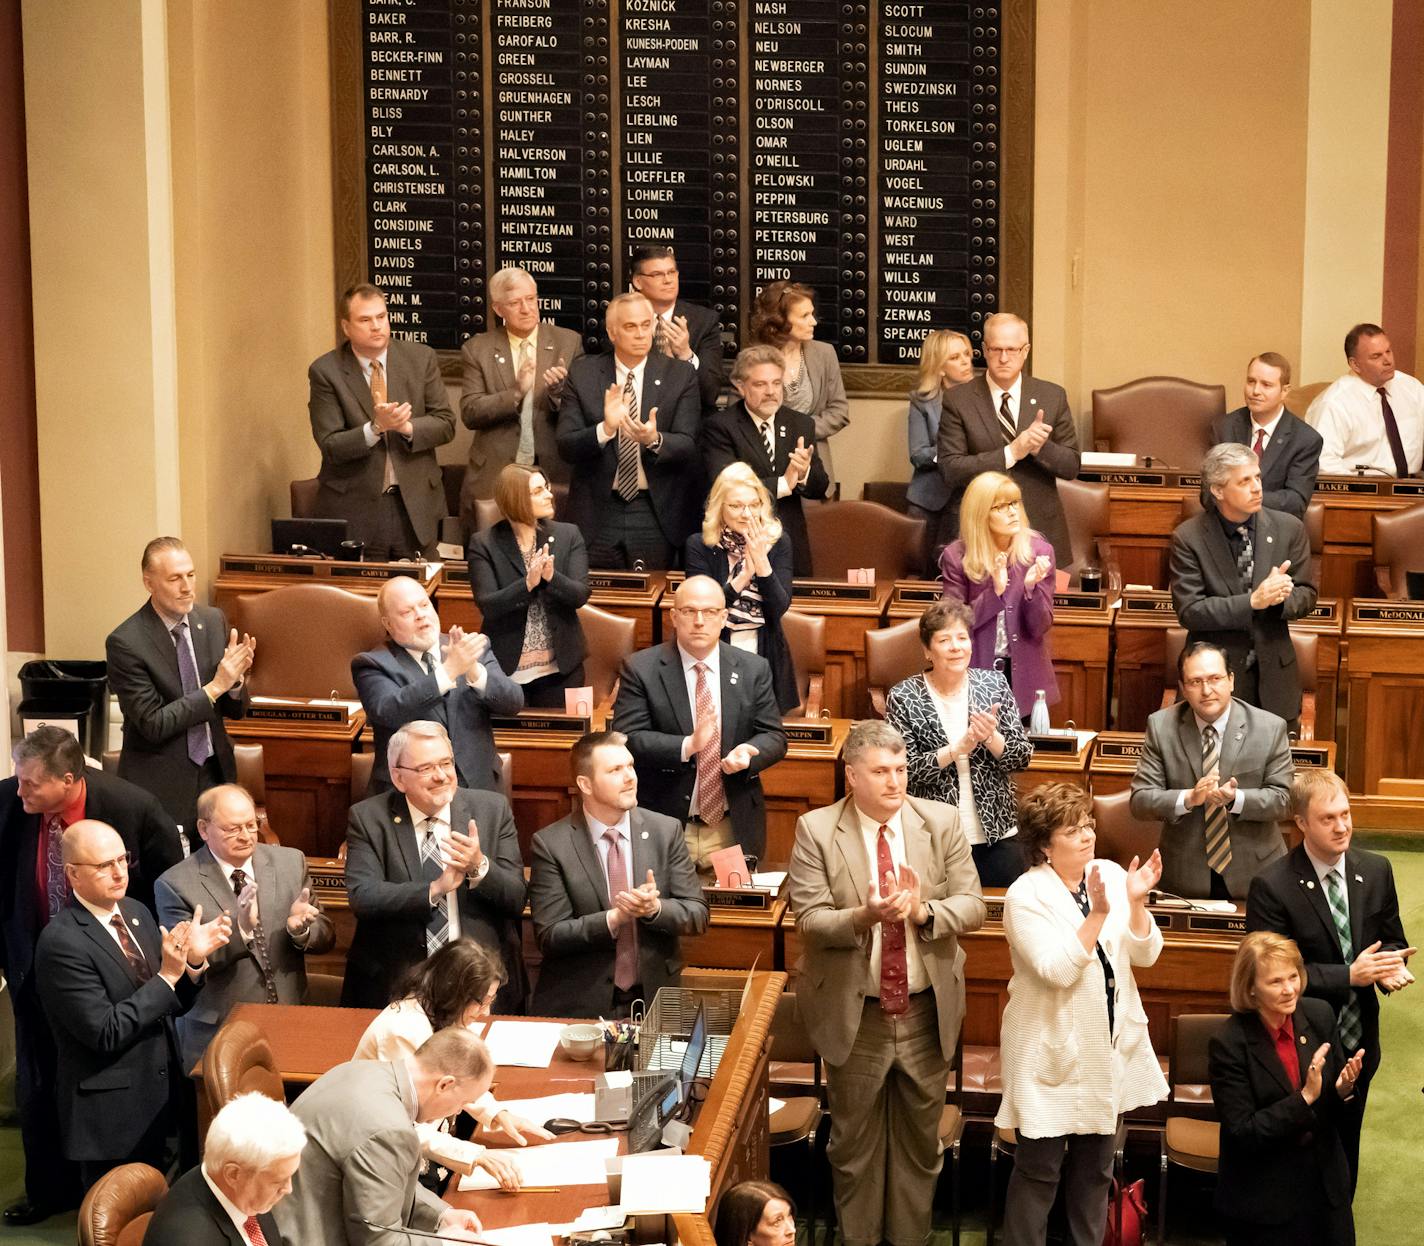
(1033, 402)
(1358, 879)
(199, 626)
(645, 834)
(734, 678)
(134, 920)
(1302, 1040)
(657, 381)
(1310, 886)
(398, 819)
(499, 359)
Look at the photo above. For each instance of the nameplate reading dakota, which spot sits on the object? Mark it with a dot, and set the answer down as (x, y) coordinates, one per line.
(833, 590)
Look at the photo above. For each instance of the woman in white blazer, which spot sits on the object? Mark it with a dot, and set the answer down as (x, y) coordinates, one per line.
(1073, 1041)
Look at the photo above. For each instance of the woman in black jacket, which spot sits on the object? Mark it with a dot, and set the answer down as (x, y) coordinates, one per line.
(529, 576)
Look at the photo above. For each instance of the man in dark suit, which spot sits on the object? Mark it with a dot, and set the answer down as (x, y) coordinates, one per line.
(628, 427)
(378, 410)
(264, 888)
(52, 789)
(251, 1153)
(1288, 448)
(779, 444)
(1005, 421)
(408, 679)
(611, 890)
(178, 672)
(1339, 904)
(686, 331)
(111, 984)
(511, 381)
(1240, 574)
(426, 864)
(702, 724)
(1220, 797)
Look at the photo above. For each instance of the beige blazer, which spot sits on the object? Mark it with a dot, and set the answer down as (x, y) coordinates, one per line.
(829, 405)
(829, 874)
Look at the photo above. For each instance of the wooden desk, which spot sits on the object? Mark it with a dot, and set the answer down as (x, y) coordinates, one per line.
(1081, 642)
(845, 694)
(1347, 562)
(261, 573)
(739, 939)
(1145, 506)
(1115, 757)
(1139, 671)
(1057, 760)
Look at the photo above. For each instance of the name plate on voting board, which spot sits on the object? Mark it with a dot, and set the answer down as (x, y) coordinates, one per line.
(324, 569)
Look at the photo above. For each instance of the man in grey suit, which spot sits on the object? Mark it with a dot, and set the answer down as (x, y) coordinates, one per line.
(264, 887)
(426, 864)
(378, 410)
(882, 886)
(1217, 774)
(611, 889)
(1240, 574)
(360, 1166)
(511, 380)
(1005, 421)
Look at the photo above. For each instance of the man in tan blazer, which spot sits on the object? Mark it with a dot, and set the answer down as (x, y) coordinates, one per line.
(883, 885)
(511, 380)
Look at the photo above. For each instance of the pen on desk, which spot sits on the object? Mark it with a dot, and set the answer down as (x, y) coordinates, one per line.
(533, 1189)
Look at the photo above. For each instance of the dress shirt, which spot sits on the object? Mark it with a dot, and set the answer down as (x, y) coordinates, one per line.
(1336, 867)
(238, 1218)
(248, 868)
(916, 976)
(1269, 428)
(624, 828)
(524, 453)
(620, 377)
(477, 678)
(996, 396)
(442, 838)
(666, 318)
(1349, 419)
(105, 918)
(1233, 535)
(369, 431)
(1220, 724)
(1283, 1040)
(714, 685)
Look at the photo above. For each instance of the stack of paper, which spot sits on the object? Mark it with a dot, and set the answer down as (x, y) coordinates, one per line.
(558, 1164)
(665, 1183)
(573, 1107)
(522, 1235)
(527, 1044)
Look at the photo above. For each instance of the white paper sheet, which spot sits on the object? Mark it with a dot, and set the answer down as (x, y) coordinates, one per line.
(574, 1107)
(552, 1163)
(521, 1235)
(770, 879)
(526, 1044)
(665, 1183)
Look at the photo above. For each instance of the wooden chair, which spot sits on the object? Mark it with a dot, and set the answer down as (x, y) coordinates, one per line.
(1166, 417)
(118, 1207)
(806, 637)
(239, 1060)
(864, 534)
(951, 1132)
(251, 774)
(1306, 664)
(889, 493)
(1398, 548)
(1121, 836)
(1299, 399)
(308, 634)
(1087, 507)
(892, 654)
(361, 766)
(1188, 1140)
(302, 494)
(611, 639)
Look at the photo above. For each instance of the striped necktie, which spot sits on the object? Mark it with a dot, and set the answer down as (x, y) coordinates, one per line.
(1218, 840)
(1006, 419)
(1351, 1031)
(437, 925)
(625, 482)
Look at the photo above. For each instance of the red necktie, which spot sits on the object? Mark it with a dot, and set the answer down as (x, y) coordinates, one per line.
(625, 961)
(894, 977)
(711, 796)
(254, 1231)
(1260, 447)
(142, 970)
(1391, 431)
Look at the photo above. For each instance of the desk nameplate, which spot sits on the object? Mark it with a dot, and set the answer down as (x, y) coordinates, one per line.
(808, 731)
(530, 723)
(1154, 602)
(1189, 480)
(1352, 485)
(457, 573)
(1119, 476)
(1054, 744)
(620, 581)
(1116, 746)
(1407, 489)
(833, 590)
(1311, 755)
(916, 592)
(1403, 613)
(738, 897)
(298, 714)
(281, 566)
(1077, 600)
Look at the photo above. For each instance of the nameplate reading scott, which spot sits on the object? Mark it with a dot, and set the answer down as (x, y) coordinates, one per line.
(833, 590)
(619, 581)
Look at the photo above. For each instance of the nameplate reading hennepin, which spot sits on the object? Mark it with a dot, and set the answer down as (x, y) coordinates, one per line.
(541, 724)
(267, 566)
(806, 731)
(298, 713)
(1387, 612)
(833, 590)
(619, 581)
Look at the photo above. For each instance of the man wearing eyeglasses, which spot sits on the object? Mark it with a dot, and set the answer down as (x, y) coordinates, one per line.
(702, 724)
(1005, 421)
(265, 890)
(683, 330)
(428, 863)
(1217, 773)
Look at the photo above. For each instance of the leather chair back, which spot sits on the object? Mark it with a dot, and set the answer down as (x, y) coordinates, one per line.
(1299, 399)
(251, 774)
(1121, 836)
(303, 497)
(307, 635)
(1087, 507)
(864, 534)
(118, 1207)
(1166, 417)
(889, 493)
(1398, 547)
(1306, 663)
(892, 654)
(611, 639)
(361, 766)
(239, 1060)
(806, 638)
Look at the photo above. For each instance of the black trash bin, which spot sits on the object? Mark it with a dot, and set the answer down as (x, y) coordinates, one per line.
(72, 694)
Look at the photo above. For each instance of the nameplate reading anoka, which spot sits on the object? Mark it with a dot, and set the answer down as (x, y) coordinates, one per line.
(832, 590)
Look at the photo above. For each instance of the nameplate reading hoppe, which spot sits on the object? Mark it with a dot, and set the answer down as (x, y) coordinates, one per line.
(268, 566)
(833, 590)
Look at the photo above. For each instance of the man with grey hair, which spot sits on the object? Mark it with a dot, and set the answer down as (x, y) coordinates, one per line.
(252, 1151)
(882, 885)
(1240, 574)
(511, 381)
(359, 1170)
(427, 863)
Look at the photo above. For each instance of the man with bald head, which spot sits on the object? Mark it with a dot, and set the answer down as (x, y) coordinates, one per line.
(413, 677)
(702, 724)
(1372, 418)
(111, 983)
(628, 426)
(265, 890)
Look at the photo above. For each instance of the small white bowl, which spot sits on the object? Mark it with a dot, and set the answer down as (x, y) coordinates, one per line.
(580, 1041)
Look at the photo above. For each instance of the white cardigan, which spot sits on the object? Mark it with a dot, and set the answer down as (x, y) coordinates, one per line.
(1060, 1073)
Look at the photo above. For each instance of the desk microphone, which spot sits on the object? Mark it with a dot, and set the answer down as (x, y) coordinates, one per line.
(305, 551)
(1157, 894)
(428, 1234)
(1361, 468)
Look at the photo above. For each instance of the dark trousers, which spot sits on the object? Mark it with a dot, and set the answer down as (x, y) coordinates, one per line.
(547, 692)
(171, 1139)
(627, 534)
(1000, 863)
(1079, 1164)
(393, 536)
(51, 1181)
(939, 532)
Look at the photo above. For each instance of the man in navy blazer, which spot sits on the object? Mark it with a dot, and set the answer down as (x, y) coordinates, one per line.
(702, 768)
(686, 331)
(111, 985)
(641, 408)
(1288, 448)
(408, 679)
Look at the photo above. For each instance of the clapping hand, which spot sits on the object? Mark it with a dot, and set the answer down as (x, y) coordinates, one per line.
(1038, 570)
(739, 758)
(1098, 892)
(204, 938)
(1349, 1074)
(889, 902)
(1310, 1091)
(644, 432)
(798, 466)
(1031, 440)
(541, 566)
(236, 661)
(392, 417)
(675, 339)
(703, 734)
(1001, 574)
(555, 376)
(302, 913)
(615, 410)
(1142, 878)
(1274, 589)
(641, 901)
(524, 378)
(464, 651)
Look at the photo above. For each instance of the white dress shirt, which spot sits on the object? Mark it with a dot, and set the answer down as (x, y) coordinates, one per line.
(1349, 418)
(1336, 867)
(237, 1216)
(954, 719)
(1220, 724)
(996, 396)
(915, 973)
(620, 377)
(525, 451)
(441, 831)
(1268, 428)
(714, 685)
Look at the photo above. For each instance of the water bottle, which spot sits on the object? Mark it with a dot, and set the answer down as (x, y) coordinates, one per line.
(1038, 723)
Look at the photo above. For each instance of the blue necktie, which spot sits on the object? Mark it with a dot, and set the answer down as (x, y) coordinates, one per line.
(200, 746)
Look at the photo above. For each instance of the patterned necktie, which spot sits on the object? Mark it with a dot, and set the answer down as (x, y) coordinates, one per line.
(525, 452)
(1006, 419)
(894, 975)
(437, 925)
(142, 970)
(378, 396)
(427, 660)
(625, 960)
(767, 443)
(711, 798)
(1246, 559)
(1351, 1031)
(200, 746)
(259, 937)
(1218, 838)
(254, 1231)
(1260, 447)
(1391, 431)
(56, 882)
(625, 482)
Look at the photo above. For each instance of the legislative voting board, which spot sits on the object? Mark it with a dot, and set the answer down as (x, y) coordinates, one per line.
(851, 146)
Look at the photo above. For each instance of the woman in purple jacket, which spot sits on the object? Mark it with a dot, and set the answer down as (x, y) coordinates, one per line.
(1004, 571)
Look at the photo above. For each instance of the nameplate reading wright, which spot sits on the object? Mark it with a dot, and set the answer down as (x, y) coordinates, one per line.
(807, 731)
(1387, 612)
(1348, 484)
(1058, 745)
(298, 713)
(917, 592)
(1080, 601)
(268, 566)
(833, 590)
(541, 724)
(619, 581)
(1326, 610)
(1311, 756)
(737, 897)
(1107, 476)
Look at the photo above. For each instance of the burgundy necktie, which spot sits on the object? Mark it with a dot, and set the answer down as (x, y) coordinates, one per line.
(1391, 430)
(894, 976)
(1260, 447)
(142, 970)
(711, 796)
(254, 1231)
(625, 962)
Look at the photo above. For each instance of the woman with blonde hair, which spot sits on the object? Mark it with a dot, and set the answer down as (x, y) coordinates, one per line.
(743, 548)
(1004, 571)
(946, 360)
